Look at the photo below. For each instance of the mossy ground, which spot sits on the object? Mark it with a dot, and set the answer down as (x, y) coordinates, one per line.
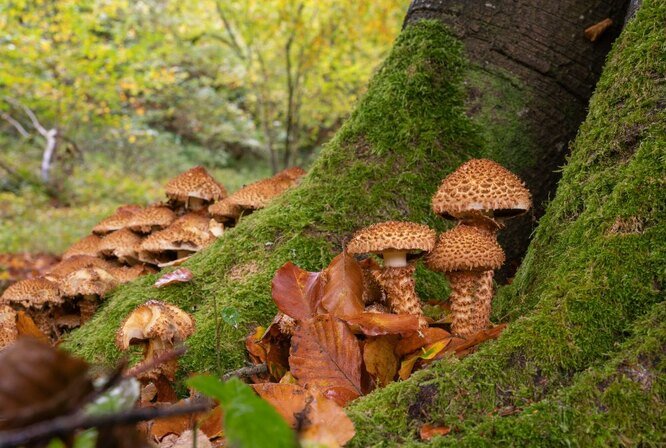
(595, 265)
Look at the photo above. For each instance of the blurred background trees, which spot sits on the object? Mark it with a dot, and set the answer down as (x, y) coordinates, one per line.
(101, 100)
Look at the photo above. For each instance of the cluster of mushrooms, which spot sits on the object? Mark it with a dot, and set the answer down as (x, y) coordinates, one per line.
(480, 195)
(135, 241)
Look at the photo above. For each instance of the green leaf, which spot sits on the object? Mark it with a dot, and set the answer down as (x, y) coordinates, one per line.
(249, 421)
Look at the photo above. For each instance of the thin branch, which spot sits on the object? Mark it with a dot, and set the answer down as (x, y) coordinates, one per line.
(146, 366)
(230, 31)
(68, 423)
(33, 118)
(246, 372)
(18, 126)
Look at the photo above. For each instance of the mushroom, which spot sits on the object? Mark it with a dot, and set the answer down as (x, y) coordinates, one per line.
(259, 194)
(86, 287)
(38, 297)
(194, 189)
(122, 244)
(225, 213)
(119, 220)
(395, 241)
(466, 254)
(8, 330)
(88, 245)
(151, 218)
(158, 327)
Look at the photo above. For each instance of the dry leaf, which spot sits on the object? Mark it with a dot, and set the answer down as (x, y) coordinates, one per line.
(295, 291)
(427, 431)
(186, 440)
(415, 341)
(377, 324)
(380, 359)
(209, 422)
(276, 346)
(343, 291)
(253, 346)
(463, 347)
(326, 423)
(326, 354)
(25, 326)
(288, 399)
(427, 353)
(288, 378)
(181, 275)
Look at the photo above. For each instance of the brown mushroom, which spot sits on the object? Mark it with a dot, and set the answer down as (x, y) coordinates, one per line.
(8, 330)
(119, 220)
(158, 327)
(259, 194)
(395, 241)
(39, 298)
(88, 245)
(225, 213)
(152, 218)
(121, 244)
(86, 287)
(467, 255)
(194, 189)
(61, 269)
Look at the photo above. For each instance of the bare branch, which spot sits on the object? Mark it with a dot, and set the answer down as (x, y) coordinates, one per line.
(245, 372)
(18, 126)
(233, 40)
(33, 118)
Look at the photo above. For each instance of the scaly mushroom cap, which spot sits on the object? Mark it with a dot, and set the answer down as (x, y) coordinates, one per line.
(481, 185)
(224, 210)
(33, 293)
(155, 320)
(465, 248)
(88, 281)
(393, 235)
(88, 245)
(259, 194)
(121, 244)
(195, 183)
(119, 220)
(150, 218)
(8, 330)
(189, 232)
(126, 274)
(62, 269)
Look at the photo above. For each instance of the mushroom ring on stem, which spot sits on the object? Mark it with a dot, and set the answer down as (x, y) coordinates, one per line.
(396, 241)
(467, 255)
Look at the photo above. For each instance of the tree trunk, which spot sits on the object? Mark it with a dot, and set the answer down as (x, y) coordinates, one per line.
(594, 268)
(387, 160)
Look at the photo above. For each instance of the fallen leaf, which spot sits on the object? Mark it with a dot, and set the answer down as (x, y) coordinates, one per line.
(428, 431)
(463, 347)
(427, 353)
(326, 354)
(343, 290)
(295, 290)
(377, 324)
(253, 346)
(25, 326)
(209, 422)
(415, 341)
(326, 423)
(288, 399)
(186, 440)
(181, 275)
(380, 359)
(288, 378)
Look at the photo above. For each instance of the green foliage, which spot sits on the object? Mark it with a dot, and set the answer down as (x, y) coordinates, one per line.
(249, 421)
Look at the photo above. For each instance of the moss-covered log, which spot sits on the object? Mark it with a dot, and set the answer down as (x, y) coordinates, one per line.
(596, 264)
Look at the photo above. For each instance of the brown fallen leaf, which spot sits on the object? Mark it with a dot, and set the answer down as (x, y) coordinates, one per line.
(343, 289)
(325, 423)
(276, 347)
(428, 431)
(186, 440)
(252, 344)
(380, 359)
(415, 341)
(288, 399)
(326, 354)
(209, 422)
(426, 353)
(296, 291)
(377, 324)
(463, 347)
(180, 275)
(594, 32)
(25, 326)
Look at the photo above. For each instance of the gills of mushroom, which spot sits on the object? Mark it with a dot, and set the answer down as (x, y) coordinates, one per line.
(467, 255)
(395, 241)
(194, 189)
(39, 297)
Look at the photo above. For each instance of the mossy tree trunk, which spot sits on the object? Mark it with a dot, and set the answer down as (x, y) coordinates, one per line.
(594, 270)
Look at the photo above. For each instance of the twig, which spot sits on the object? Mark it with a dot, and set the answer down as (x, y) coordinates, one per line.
(245, 372)
(144, 367)
(68, 423)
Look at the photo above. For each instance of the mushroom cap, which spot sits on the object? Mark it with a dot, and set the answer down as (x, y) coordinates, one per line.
(8, 330)
(155, 320)
(481, 185)
(393, 235)
(465, 248)
(88, 245)
(33, 293)
(119, 220)
(153, 216)
(195, 183)
(75, 263)
(88, 281)
(126, 274)
(259, 194)
(189, 232)
(121, 243)
(224, 210)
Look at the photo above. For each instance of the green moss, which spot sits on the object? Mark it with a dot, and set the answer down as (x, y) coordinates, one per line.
(379, 166)
(595, 264)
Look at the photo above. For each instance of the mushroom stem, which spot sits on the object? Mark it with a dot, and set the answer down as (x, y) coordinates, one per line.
(470, 301)
(399, 285)
(395, 258)
(195, 203)
(87, 307)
